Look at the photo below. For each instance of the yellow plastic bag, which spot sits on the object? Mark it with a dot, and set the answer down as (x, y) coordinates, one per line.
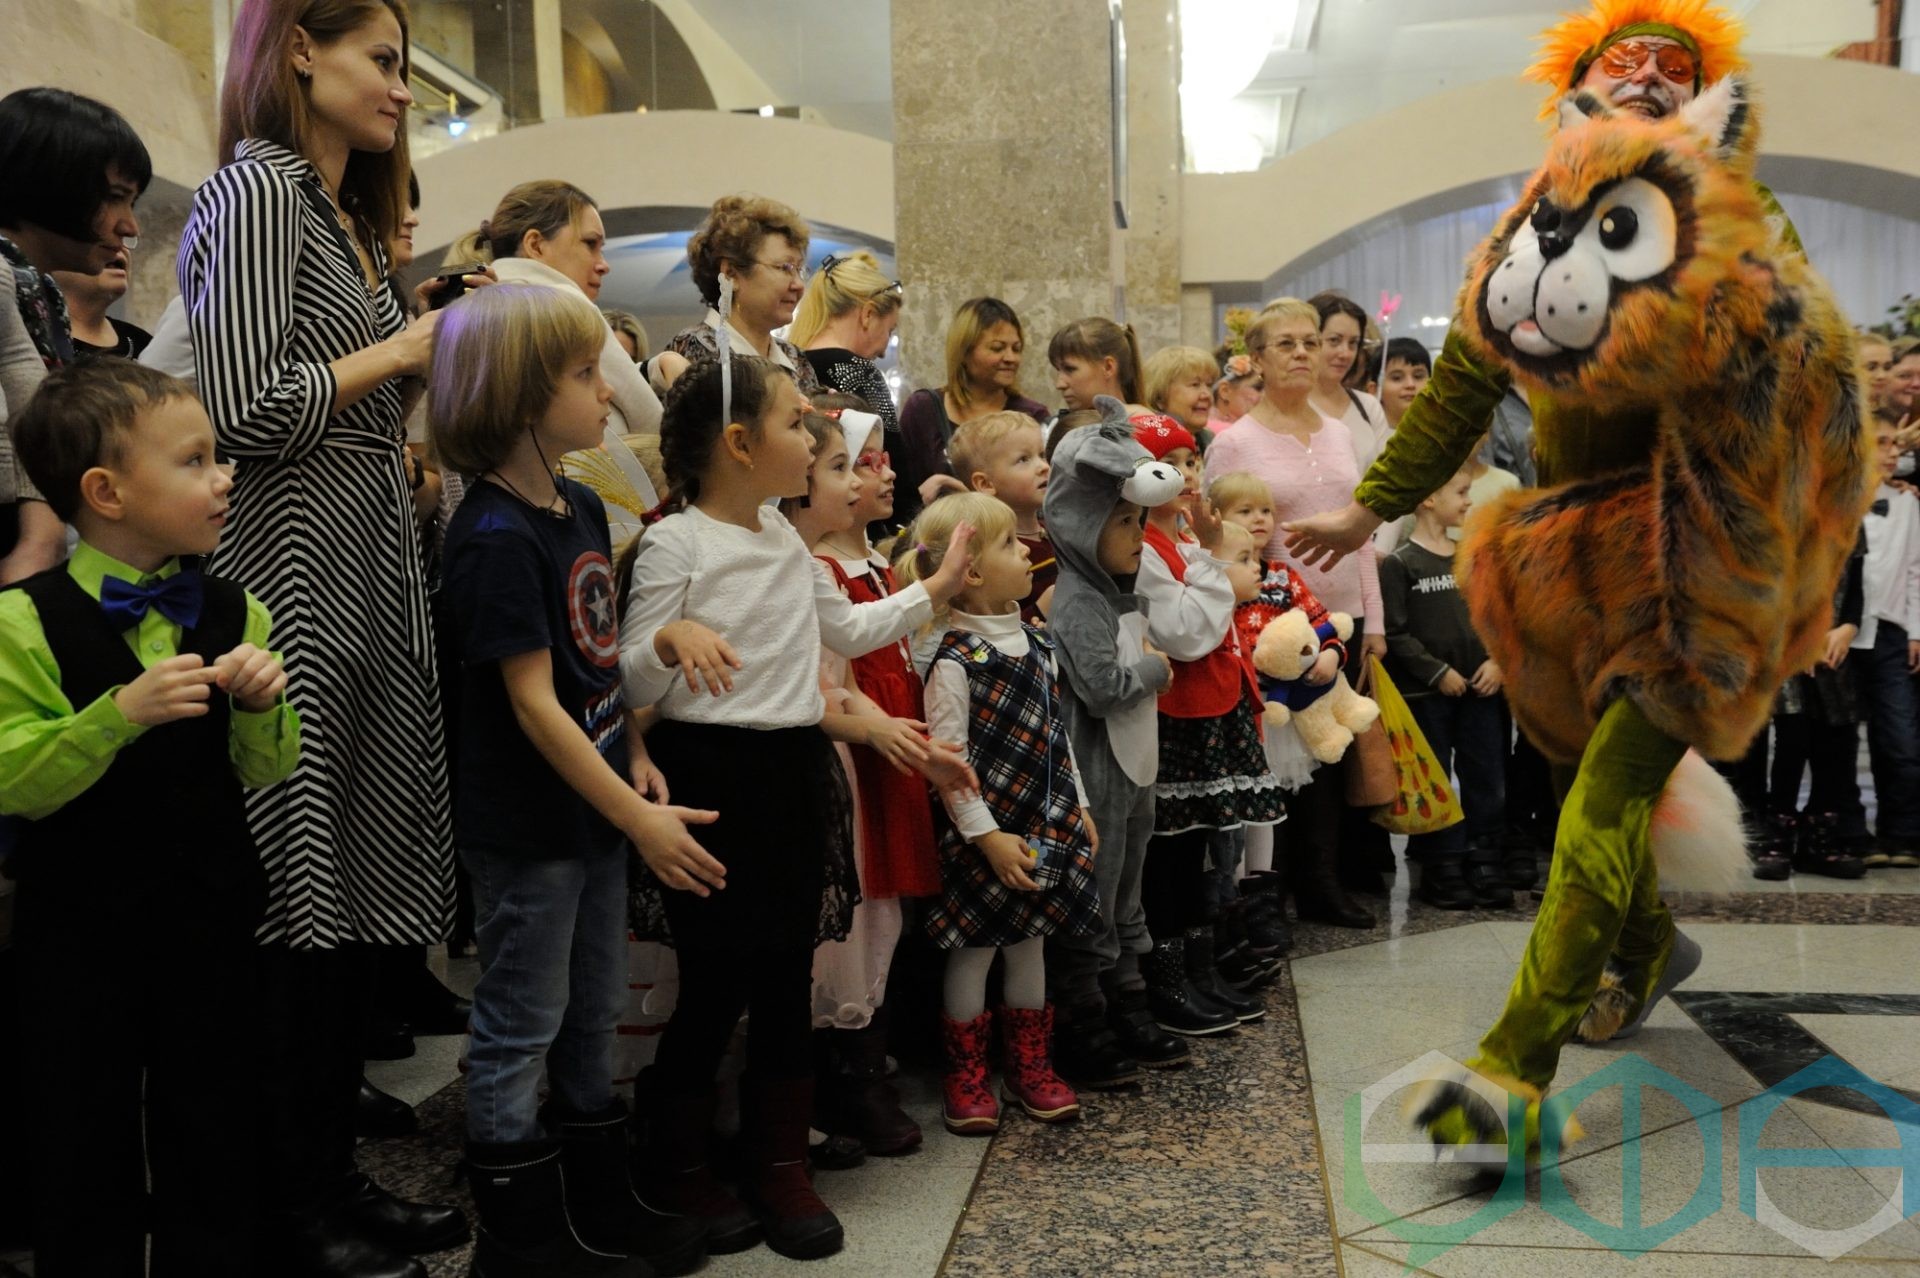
(1426, 801)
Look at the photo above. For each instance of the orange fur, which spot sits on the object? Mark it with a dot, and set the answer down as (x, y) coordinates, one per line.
(1579, 35)
(1699, 581)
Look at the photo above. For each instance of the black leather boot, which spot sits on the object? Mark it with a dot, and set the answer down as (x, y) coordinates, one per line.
(1177, 1005)
(518, 1190)
(324, 1244)
(1443, 885)
(858, 1099)
(376, 1114)
(1088, 1054)
(1141, 1037)
(1205, 977)
(606, 1212)
(418, 1229)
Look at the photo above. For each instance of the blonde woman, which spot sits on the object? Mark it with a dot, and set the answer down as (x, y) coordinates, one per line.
(1179, 382)
(844, 323)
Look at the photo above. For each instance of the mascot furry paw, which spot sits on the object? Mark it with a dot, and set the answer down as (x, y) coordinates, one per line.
(1327, 716)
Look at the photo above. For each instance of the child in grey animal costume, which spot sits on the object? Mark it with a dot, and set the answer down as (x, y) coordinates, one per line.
(1109, 685)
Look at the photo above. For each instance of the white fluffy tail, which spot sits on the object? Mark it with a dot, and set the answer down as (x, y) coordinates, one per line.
(1698, 840)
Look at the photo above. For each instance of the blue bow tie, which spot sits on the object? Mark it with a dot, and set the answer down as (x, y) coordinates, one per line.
(177, 598)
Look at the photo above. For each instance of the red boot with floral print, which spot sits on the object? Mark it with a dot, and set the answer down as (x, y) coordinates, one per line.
(1027, 1038)
(969, 1107)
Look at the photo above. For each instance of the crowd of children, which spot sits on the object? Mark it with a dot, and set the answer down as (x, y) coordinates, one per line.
(1024, 732)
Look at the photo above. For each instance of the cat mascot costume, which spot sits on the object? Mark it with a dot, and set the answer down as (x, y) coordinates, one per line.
(1704, 468)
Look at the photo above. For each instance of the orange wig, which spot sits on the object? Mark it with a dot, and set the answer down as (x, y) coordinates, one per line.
(1567, 50)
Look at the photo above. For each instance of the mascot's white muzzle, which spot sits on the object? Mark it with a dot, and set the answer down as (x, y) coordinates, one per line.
(1153, 483)
(1549, 297)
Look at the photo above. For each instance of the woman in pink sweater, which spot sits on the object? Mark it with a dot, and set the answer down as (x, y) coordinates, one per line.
(1307, 461)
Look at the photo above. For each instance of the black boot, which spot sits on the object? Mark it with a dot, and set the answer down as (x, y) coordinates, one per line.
(1265, 894)
(1771, 842)
(418, 1229)
(1177, 1005)
(519, 1192)
(1088, 1054)
(1443, 885)
(324, 1244)
(606, 1212)
(1321, 899)
(673, 1140)
(1488, 886)
(376, 1114)
(1240, 965)
(1823, 850)
(1205, 977)
(1141, 1037)
(858, 1100)
(432, 1008)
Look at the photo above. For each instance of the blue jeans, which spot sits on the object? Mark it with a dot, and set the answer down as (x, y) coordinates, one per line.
(552, 937)
(1468, 734)
(1892, 712)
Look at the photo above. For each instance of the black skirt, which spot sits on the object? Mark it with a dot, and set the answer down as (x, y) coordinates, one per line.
(785, 834)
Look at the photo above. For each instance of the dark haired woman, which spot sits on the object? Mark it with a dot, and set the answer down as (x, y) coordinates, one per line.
(760, 247)
(307, 365)
(70, 172)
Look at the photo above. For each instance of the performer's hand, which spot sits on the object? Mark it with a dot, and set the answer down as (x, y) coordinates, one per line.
(699, 652)
(1839, 643)
(1324, 540)
(1487, 680)
(1324, 668)
(1451, 684)
(1010, 858)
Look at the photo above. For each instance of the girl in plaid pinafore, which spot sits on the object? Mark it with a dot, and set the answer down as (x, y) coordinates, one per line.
(1016, 863)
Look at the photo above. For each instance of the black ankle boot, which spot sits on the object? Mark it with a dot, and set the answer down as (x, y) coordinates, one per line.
(1266, 914)
(1141, 1037)
(1205, 977)
(1088, 1054)
(418, 1229)
(518, 1190)
(1239, 964)
(606, 1211)
(376, 1114)
(1443, 885)
(1488, 887)
(1177, 1005)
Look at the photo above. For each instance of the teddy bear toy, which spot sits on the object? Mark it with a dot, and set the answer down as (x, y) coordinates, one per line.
(1327, 716)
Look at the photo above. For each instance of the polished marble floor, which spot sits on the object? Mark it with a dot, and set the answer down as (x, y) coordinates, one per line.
(1261, 1159)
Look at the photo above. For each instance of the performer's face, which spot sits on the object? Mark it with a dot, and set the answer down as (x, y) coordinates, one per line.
(1639, 84)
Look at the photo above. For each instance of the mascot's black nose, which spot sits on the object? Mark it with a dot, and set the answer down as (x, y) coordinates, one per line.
(1546, 226)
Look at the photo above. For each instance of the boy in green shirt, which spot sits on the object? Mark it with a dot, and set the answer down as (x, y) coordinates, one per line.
(137, 699)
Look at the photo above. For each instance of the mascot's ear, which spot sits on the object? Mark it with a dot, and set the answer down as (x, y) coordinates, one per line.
(1579, 107)
(1723, 115)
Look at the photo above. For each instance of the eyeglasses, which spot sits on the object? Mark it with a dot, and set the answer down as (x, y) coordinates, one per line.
(874, 461)
(1676, 62)
(828, 262)
(1287, 346)
(795, 271)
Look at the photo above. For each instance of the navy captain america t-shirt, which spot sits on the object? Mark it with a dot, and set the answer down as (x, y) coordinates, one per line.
(521, 580)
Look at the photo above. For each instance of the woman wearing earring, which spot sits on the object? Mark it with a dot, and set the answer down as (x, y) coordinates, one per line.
(308, 366)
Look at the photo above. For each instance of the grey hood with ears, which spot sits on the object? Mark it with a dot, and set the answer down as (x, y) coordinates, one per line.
(1095, 468)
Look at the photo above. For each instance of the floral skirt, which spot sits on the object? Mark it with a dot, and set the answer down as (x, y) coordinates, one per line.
(1214, 774)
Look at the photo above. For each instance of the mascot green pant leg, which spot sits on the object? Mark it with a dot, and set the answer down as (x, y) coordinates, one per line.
(1602, 898)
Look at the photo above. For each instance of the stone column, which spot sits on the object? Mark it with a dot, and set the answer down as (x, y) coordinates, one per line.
(1002, 169)
(1154, 162)
(1197, 326)
(516, 50)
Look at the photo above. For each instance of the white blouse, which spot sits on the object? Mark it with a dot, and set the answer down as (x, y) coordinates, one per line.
(773, 602)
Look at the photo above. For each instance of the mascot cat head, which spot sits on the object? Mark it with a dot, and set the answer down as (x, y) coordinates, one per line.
(1627, 242)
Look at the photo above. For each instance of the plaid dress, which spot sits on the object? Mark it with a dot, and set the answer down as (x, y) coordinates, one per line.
(1017, 742)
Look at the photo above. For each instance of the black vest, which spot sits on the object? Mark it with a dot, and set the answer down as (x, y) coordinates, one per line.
(167, 822)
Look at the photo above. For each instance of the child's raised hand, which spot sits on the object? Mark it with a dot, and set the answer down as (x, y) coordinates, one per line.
(946, 581)
(177, 688)
(1487, 680)
(659, 834)
(948, 771)
(252, 676)
(1324, 668)
(699, 652)
(1202, 520)
(1010, 858)
(1451, 684)
(901, 742)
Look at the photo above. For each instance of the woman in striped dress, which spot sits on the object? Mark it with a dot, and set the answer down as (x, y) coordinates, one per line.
(308, 366)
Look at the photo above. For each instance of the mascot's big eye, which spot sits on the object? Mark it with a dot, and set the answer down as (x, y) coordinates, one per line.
(1546, 218)
(1618, 228)
(1633, 230)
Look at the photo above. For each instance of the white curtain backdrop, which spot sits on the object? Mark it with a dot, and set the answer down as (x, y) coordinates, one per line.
(1870, 259)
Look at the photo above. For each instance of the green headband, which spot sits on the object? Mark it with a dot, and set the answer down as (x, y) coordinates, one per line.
(1629, 31)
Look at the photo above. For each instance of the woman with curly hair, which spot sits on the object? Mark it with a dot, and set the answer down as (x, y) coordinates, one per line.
(751, 253)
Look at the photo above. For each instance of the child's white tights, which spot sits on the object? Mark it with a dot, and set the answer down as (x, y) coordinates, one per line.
(1259, 848)
(1023, 983)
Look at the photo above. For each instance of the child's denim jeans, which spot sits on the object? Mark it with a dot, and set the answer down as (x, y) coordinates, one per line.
(552, 937)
